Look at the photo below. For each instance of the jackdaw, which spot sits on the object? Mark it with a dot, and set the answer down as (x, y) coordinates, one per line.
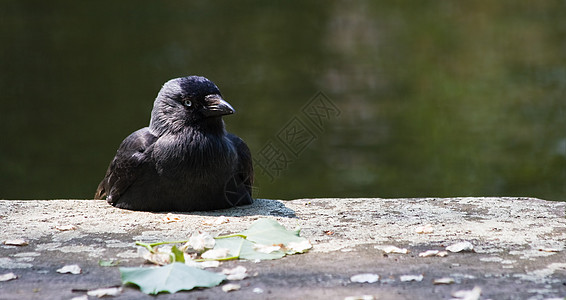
(185, 160)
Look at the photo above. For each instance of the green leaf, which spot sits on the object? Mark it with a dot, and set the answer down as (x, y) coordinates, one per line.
(270, 232)
(177, 254)
(244, 249)
(170, 278)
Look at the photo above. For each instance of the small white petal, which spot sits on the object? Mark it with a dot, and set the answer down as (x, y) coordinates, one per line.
(444, 280)
(299, 247)
(237, 273)
(200, 242)
(16, 242)
(8, 276)
(230, 287)
(113, 291)
(216, 253)
(366, 277)
(392, 249)
(425, 229)
(411, 278)
(72, 269)
(461, 246)
(65, 227)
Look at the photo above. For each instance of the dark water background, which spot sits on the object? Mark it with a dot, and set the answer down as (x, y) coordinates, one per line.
(418, 98)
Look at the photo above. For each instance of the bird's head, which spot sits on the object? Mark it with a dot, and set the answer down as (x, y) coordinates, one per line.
(191, 101)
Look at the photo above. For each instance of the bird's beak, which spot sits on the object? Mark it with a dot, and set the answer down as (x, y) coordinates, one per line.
(216, 106)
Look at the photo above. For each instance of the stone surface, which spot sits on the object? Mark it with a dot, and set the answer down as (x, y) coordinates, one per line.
(518, 247)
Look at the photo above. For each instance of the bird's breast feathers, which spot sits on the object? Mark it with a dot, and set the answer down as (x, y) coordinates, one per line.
(199, 153)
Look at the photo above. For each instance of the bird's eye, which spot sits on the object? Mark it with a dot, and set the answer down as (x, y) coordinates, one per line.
(188, 103)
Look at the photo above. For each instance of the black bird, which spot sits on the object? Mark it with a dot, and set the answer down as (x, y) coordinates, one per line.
(185, 160)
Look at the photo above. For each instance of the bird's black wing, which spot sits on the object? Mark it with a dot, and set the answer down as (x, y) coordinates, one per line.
(127, 165)
(239, 189)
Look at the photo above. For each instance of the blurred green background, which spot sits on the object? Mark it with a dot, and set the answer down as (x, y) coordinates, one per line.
(436, 98)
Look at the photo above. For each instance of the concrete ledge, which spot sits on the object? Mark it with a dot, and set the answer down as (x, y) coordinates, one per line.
(519, 247)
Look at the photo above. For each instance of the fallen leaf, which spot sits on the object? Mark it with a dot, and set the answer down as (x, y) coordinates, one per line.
(461, 246)
(229, 287)
(266, 248)
(170, 278)
(365, 277)
(270, 232)
(111, 291)
(108, 263)
(406, 278)
(244, 249)
(16, 242)
(443, 280)
(71, 269)
(8, 276)
(178, 255)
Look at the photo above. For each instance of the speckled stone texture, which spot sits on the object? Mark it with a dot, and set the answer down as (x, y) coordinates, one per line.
(519, 247)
